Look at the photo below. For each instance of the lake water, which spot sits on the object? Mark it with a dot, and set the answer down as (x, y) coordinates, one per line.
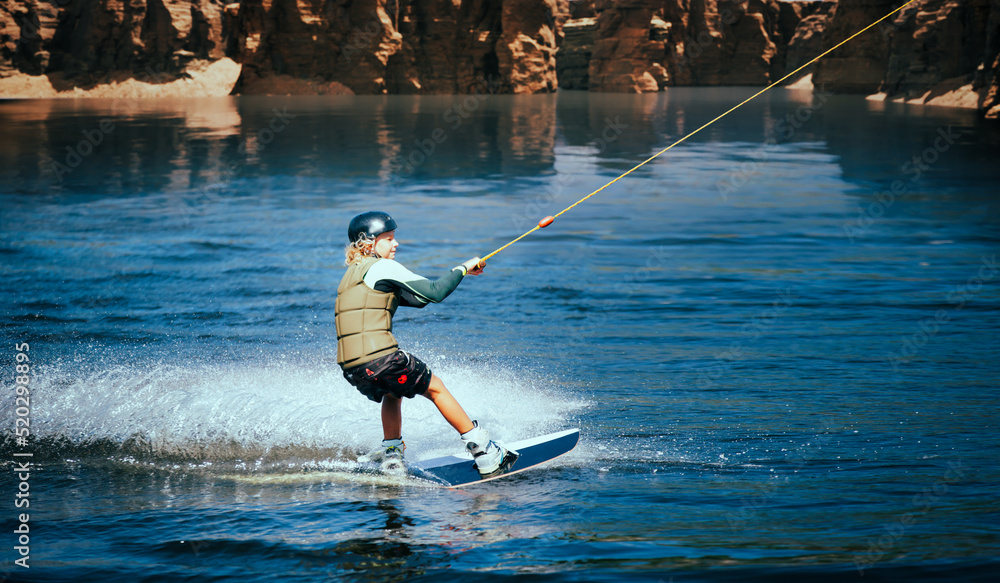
(779, 339)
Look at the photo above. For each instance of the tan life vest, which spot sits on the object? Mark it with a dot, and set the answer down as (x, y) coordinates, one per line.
(363, 317)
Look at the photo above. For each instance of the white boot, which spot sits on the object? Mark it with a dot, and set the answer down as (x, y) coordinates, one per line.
(392, 456)
(488, 455)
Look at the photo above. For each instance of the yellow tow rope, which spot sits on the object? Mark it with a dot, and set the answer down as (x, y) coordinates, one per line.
(548, 220)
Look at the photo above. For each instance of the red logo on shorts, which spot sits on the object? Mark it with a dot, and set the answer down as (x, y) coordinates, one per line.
(402, 379)
(370, 373)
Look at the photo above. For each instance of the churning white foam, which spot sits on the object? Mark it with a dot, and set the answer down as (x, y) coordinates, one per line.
(228, 410)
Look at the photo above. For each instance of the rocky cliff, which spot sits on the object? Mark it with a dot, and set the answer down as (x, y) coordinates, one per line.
(944, 52)
(375, 46)
(90, 40)
(573, 59)
(289, 46)
(97, 47)
(935, 51)
(807, 40)
(647, 45)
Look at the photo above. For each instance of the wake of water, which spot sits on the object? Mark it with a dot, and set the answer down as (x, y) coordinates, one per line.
(265, 413)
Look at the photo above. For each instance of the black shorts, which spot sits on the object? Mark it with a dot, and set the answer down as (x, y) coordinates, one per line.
(398, 374)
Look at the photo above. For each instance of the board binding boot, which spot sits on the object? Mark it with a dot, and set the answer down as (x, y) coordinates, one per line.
(491, 459)
(392, 456)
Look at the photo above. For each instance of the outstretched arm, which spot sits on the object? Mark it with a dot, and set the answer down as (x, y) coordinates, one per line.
(417, 291)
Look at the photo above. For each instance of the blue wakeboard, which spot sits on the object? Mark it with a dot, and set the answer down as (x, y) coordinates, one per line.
(457, 471)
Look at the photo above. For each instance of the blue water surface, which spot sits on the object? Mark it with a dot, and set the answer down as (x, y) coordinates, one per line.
(779, 338)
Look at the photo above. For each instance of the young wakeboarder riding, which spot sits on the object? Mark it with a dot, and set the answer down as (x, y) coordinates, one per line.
(367, 298)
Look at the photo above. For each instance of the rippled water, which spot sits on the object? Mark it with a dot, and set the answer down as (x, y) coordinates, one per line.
(779, 339)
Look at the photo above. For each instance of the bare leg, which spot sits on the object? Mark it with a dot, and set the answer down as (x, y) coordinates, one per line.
(392, 418)
(453, 413)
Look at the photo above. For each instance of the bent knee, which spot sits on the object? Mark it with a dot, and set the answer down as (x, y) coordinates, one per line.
(435, 388)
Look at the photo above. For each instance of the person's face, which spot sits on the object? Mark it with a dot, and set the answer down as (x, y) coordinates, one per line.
(385, 245)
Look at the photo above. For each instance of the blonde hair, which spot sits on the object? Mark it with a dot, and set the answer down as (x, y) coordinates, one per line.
(358, 250)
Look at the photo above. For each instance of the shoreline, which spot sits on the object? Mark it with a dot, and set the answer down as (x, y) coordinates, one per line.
(219, 78)
(199, 79)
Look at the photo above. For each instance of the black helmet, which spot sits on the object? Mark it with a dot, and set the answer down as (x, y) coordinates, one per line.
(370, 225)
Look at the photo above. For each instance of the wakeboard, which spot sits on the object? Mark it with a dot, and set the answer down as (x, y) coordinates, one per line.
(456, 471)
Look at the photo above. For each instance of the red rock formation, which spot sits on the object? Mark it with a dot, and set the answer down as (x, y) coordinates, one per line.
(988, 81)
(573, 58)
(749, 43)
(60, 47)
(647, 45)
(936, 51)
(297, 46)
(92, 39)
(374, 46)
(935, 40)
(807, 41)
(526, 51)
(289, 46)
(10, 39)
(859, 66)
(939, 52)
(944, 52)
(625, 57)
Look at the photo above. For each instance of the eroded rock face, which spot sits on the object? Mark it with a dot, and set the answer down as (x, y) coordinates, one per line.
(860, 65)
(625, 57)
(374, 46)
(988, 82)
(573, 58)
(922, 45)
(292, 46)
(647, 45)
(934, 41)
(941, 52)
(11, 38)
(526, 50)
(944, 47)
(88, 41)
(807, 40)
